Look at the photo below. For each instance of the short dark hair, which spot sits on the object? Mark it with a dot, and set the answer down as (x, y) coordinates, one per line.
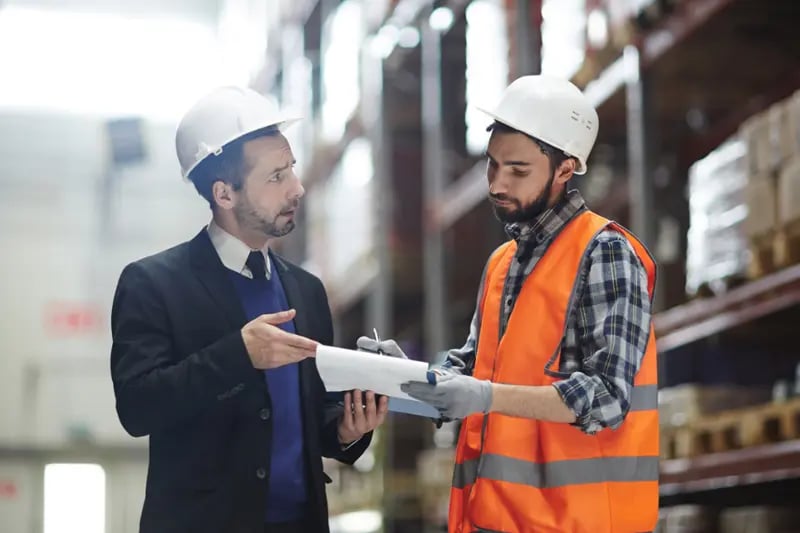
(555, 155)
(228, 166)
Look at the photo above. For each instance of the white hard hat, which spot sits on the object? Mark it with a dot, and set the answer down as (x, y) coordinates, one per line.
(552, 110)
(221, 117)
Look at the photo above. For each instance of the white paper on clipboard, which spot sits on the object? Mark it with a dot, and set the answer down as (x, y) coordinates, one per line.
(344, 370)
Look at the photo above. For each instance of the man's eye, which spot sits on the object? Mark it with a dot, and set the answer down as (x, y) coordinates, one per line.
(275, 177)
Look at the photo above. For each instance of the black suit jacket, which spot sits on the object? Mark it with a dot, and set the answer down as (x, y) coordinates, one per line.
(182, 376)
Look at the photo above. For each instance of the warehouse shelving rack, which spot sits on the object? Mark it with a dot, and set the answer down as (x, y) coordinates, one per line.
(749, 307)
(724, 60)
(702, 318)
(720, 61)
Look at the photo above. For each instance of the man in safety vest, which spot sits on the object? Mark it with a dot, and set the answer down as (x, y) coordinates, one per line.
(556, 384)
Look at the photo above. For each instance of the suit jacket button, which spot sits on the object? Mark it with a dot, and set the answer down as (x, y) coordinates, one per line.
(261, 473)
(264, 413)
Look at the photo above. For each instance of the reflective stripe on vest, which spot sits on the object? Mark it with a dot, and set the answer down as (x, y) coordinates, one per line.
(644, 398)
(556, 473)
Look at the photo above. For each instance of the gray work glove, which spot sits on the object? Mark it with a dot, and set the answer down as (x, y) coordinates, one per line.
(452, 365)
(455, 396)
(388, 347)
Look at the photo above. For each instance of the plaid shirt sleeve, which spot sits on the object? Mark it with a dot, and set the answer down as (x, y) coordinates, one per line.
(463, 359)
(612, 329)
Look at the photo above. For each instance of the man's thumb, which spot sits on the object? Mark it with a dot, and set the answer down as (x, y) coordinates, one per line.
(278, 318)
(368, 344)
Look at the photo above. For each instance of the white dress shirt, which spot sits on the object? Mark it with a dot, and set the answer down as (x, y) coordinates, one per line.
(233, 253)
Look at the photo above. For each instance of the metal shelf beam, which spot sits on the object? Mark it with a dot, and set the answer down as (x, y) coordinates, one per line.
(699, 319)
(436, 320)
(750, 466)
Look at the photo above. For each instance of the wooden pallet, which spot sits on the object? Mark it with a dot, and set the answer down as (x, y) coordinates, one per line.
(775, 250)
(733, 430)
(786, 245)
(678, 443)
(762, 255)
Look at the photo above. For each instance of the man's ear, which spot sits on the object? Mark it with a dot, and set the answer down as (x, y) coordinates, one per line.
(223, 194)
(566, 170)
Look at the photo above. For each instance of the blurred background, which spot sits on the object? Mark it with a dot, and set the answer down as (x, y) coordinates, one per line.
(698, 153)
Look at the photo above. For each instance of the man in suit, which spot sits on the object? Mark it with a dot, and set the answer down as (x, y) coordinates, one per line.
(213, 345)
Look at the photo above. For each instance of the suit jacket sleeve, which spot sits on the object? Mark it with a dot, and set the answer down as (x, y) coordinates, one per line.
(333, 409)
(155, 387)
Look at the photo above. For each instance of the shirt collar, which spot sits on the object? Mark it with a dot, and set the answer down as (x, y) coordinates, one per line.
(232, 252)
(546, 225)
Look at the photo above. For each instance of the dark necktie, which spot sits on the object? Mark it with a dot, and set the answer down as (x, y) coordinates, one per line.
(258, 267)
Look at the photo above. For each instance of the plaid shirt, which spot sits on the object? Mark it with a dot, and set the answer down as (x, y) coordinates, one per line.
(606, 334)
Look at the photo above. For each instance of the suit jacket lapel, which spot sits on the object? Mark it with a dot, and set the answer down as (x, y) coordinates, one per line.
(294, 295)
(214, 277)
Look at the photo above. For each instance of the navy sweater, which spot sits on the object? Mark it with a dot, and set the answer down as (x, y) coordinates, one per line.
(287, 495)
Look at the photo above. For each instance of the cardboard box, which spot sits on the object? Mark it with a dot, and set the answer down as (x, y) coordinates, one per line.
(762, 207)
(684, 404)
(772, 136)
(759, 519)
(789, 191)
(757, 134)
(690, 519)
(787, 115)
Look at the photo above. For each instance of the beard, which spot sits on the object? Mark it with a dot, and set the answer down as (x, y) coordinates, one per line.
(521, 213)
(249, 217)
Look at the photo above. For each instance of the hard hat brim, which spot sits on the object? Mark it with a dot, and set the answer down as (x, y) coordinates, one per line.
(282, 124)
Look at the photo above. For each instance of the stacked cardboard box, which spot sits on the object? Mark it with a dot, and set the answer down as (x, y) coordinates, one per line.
(789, 174)
(772, 139)
(744, 201)
(759, 134)
(683, 404)
(789, 192)
(687, 519)
(759, 519)
(704, 519)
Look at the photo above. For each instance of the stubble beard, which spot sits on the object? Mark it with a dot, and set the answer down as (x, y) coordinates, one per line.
(522, 213)
(248, 217)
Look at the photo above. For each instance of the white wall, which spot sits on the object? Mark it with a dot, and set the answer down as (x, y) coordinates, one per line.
(20, 496)
(22, 490)
(52, 251)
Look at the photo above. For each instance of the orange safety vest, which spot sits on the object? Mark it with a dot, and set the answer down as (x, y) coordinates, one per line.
(522, 475)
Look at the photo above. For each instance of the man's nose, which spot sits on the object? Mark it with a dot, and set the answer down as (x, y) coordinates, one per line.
(298, 191)
(497, 186)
